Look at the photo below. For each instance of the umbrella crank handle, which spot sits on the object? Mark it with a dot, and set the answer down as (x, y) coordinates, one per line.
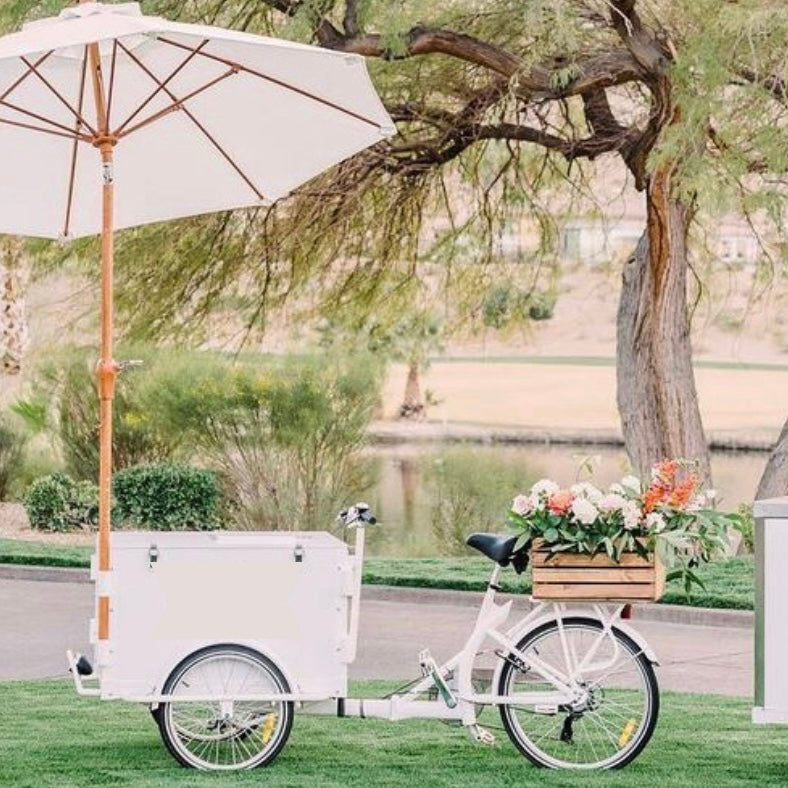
(122, 366)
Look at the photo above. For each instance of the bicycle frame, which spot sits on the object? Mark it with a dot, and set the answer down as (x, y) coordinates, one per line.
(564, 679)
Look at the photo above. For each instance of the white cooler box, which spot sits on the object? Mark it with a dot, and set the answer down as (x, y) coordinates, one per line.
(287, 595)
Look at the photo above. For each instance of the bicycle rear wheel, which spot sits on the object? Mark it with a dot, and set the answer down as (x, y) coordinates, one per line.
(616, 720)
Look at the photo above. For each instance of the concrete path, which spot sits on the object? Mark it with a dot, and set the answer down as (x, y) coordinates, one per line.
(40, 620)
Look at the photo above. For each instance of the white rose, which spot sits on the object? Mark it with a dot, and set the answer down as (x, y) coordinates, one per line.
(587, 490)
(584, 511)
(522, 505)
(655, 522)
(631, 483)
(616, 489)
(612, 502)
(544, 488)
(631, 511)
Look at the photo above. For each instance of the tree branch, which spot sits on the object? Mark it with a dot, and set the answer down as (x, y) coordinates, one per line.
(350, 21)
(771, 83)
(602, 70)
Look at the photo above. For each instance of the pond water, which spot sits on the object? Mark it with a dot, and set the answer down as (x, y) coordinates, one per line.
(429, 497)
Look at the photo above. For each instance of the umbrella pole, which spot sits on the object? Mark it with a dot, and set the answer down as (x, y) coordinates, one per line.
(107, 374)
(107, 366)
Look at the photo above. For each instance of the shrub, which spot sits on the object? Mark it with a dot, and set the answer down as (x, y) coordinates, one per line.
(11, 446)
(63, 401)
(469, 490)
(283, 438)
(166, 497)
(58, 503)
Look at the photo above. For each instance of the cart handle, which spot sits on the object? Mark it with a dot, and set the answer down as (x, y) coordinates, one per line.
(357, 516)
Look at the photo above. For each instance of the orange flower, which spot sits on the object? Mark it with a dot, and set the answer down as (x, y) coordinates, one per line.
(683, 493)
(666, 471)
(655, 495)
(560, 502)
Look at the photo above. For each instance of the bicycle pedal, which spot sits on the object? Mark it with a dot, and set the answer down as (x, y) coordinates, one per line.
(481, 735)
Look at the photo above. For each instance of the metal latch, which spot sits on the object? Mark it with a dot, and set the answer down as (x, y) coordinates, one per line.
(153, 556)
(298, 553)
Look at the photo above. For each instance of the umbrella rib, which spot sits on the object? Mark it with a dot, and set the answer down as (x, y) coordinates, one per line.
(30, 127)
(177, 104)
(275, 81)
(22, 111)
(75, 148)
(160, 87)
(8, 91)
(190, 115)
(59, 96)
(111, 85)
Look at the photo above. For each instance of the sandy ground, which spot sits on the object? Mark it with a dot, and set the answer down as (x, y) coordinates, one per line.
(541, 396)
(14, 525)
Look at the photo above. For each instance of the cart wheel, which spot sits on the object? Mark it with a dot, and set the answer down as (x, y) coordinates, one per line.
(225, 734)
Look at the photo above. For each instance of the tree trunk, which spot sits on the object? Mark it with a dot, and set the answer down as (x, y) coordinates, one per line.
(657, 399)
(13, 323)
(774, 481)
(413, 405)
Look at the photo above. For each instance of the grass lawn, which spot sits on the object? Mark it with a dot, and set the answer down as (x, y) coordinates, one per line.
(51, 737)
(729, 584)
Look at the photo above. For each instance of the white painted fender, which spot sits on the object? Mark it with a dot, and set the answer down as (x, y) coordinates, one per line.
(621, 626)
(198, 646)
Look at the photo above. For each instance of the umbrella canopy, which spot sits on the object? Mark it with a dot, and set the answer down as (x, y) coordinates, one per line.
(205, 119)
(188, 119)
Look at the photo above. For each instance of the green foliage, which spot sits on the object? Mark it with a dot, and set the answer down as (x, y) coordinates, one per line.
(507, 305)
(166, 497)
(63, 398)
(745, 525)
(58, 503)
(467, 490)
(11, 450)
(283, 438)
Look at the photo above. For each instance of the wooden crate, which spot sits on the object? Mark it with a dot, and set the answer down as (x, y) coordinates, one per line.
(578, 577)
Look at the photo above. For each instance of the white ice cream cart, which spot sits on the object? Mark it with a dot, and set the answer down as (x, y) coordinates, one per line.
(236, 625)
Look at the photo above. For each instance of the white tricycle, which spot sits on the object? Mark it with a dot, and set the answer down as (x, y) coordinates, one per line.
(575, 688)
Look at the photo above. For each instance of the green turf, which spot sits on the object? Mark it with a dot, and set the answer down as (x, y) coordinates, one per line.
(729, 584)
(14, 551)
(51, 737)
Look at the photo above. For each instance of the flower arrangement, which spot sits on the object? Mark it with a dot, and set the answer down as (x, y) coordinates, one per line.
(671, 516)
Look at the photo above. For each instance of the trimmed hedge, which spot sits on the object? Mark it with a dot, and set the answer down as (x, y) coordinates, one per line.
(58, 503)
(167, 497)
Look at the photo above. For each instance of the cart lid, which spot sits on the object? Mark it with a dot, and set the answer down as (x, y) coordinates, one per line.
(232, 540)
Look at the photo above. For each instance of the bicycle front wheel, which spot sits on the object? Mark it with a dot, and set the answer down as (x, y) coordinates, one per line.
(610, 726)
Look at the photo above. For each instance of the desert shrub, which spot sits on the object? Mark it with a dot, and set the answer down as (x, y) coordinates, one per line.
(11, 448)
(63, 402)
(166, 497)
(58, 503)
(745, 525)
(284, 437)
(470, 491)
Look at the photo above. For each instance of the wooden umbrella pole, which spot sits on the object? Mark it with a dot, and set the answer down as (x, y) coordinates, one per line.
(107, 374)
(107, 367)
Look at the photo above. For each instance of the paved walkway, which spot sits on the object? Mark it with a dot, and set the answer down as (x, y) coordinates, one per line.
(40, 620)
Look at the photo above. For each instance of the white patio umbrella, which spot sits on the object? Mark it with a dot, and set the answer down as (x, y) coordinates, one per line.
(201, 119)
